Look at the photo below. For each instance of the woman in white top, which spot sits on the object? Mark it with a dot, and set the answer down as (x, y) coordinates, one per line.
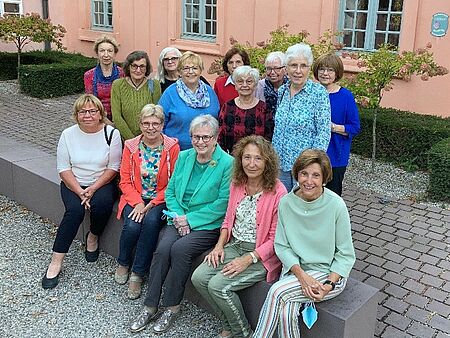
(88, 159)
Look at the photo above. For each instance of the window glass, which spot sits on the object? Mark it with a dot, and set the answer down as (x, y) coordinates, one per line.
(199, 19)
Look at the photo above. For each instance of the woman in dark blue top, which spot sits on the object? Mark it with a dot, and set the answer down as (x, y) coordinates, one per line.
(328, 70)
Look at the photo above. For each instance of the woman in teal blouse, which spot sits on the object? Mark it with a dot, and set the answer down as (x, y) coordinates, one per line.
(313, 242)
(197, 198)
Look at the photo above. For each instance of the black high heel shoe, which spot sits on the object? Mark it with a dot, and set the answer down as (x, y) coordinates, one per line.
(91, 256)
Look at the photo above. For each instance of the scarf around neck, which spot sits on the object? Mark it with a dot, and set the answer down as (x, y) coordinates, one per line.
(271, 95)
(99, 77)
(199, 99)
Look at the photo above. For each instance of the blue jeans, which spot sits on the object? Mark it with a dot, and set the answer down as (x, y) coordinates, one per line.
(143, 236)
(287, 179)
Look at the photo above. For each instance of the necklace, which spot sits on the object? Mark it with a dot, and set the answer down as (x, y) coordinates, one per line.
(246, 105)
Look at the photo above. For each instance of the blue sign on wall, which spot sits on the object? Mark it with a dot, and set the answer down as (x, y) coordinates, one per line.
(439, 24)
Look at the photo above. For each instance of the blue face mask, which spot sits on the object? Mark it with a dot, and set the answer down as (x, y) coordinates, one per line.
(309, 314)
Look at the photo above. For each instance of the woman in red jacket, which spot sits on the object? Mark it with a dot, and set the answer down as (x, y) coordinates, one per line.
(147, 163)
(244, 253)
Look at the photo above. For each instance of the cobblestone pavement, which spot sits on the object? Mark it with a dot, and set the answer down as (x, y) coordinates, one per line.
(402, 247)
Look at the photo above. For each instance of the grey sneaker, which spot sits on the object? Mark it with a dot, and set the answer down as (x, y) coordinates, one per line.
(165, 321)
(142, 320)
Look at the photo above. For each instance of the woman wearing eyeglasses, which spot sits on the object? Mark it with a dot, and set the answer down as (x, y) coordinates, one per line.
(187, 99)
(328, 70)
(88, 159)
(131, 93)
(147, 164)
(246, 114)
(167, 73)
(303, 116)
(197, 198)
(267, 89)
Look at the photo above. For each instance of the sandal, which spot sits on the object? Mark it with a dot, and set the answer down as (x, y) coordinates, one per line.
(121, 278)
(134, 287)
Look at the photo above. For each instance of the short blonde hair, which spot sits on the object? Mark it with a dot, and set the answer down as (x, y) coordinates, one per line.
(150, 110)
(85, 99)
(311, 156)
(189, 57)
(107, 39)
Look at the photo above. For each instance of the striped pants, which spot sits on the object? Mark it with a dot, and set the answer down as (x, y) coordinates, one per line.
(282, 306)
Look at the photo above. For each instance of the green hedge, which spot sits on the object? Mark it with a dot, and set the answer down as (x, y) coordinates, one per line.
(403, 138)
(62, 76)
(439, 166)
(8, 62)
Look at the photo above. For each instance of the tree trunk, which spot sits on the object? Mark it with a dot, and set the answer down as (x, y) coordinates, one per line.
(19, 51)
(374, 138)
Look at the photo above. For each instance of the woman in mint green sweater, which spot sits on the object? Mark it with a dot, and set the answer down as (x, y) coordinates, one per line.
(131, 93)
(313, 242)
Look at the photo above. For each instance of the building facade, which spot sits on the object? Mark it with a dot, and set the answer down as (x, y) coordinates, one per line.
(205, 27)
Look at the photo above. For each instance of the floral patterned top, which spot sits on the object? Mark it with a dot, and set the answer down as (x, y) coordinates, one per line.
(301, 122)
(245, 224)
(149, 169)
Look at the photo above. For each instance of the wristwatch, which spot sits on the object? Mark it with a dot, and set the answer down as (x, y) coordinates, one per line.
(254, 258)
(333, 285)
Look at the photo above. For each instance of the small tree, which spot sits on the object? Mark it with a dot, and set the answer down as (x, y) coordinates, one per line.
(380, 68)
(23, 29)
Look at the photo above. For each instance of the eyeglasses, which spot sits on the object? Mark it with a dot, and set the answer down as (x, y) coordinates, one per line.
(275, 69)
(205, 138)
(91, 112)
(147, 125)
(134, 67)
(188, 69)
(324, 69)
(172, 59)
(248, 82)
(295, 66)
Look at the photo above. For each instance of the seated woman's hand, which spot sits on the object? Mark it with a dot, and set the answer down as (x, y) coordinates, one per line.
(321, 292)
(138, 213)
(180, 221)
(216, 256)
(237, 265)
(311, 287)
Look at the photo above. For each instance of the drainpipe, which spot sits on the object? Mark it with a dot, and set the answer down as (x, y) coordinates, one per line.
(45, 16)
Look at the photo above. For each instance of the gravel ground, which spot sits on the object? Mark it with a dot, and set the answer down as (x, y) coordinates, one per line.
(86, 303)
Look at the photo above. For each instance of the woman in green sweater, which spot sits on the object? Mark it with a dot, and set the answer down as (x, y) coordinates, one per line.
(131, 93)
(314, 243)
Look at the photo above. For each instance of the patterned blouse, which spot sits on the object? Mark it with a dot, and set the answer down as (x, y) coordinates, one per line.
(301, 122)
(236, 123)
(149, 169)
(244, 228)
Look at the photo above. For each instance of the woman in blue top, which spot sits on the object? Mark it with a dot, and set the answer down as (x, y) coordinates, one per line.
(303, 116)
(186, 99)
(328, 69)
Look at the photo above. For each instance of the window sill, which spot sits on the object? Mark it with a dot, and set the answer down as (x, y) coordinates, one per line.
(85, 34)
(197, 46)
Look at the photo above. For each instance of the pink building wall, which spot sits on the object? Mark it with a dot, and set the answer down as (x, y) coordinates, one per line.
(151, 25)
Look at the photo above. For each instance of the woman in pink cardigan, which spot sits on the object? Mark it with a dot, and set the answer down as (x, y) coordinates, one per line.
(244, 253)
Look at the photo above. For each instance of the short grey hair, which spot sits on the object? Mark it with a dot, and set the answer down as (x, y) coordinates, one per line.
(161, 72)
(273, 56)
(242, 71)
(205, 121)
(299, 50)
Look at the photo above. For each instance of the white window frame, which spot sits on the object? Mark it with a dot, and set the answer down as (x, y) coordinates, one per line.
(203, 20)
(103, 15)
(370, 30)
(2, 6)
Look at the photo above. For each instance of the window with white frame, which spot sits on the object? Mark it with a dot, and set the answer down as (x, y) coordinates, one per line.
(102, 14)
(11, 7)
(200, 19)
(366, 24)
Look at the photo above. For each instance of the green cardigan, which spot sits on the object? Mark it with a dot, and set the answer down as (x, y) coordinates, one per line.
(316, 235)
(127, 102)
(207, 207)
